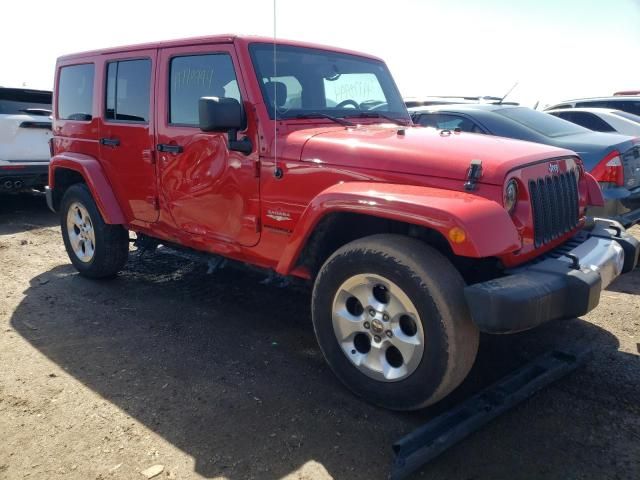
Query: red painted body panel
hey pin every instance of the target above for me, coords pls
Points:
(224, 202)
(239, 40)
(96, 180)
(435, 208)
(425, 151)
(594, 192)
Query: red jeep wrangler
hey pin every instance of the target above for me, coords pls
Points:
(302, 159)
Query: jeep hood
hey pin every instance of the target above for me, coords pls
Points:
(421, 151)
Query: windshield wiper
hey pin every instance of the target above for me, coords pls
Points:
(341, 121)
(397, 121)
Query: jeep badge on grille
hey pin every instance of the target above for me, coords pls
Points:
(554, 168)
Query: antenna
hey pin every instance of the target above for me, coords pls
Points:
(505, 95)
(277, 171)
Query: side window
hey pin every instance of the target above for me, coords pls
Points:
(128, 84)
(427, 120)
(593, 104)
(75, 92)
(630, 106)
(449, 122)
(195, 76)
(591, 121)
(563, 115)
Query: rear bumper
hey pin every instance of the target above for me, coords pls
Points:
(564, 284)
(24, 175)
(621, 205)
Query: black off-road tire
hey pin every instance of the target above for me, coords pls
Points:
(111, 241)
(436, 289)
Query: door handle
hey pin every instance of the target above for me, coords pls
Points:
(164, 147)
(111, 142)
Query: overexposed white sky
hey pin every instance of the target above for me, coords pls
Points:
(555, 49)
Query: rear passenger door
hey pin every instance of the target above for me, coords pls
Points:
(127, 131)
(208, 190)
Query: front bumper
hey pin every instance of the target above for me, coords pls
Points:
(565, 283)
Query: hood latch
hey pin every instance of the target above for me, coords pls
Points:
(473, 174)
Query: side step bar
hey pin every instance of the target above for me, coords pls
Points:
(434, 437)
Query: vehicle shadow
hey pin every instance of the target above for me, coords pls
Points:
(24, 211)
(225, 367)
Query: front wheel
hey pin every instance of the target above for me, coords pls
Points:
(96, 249)
(391, 319)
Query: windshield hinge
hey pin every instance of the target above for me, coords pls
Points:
(473, 174)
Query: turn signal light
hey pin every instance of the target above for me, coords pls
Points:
(610, 169)
(457, 235)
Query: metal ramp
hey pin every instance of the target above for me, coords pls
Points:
(437, 435)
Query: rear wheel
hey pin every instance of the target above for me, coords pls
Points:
(96, 249)
(391, 319)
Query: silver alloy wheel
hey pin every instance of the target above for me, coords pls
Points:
(81, 233)
(378, 327)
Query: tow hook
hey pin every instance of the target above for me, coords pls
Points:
(575, 261)
(616, 229)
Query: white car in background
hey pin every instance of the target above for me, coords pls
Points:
(25, 130)
(601, 119)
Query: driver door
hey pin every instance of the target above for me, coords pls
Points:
(208, 190)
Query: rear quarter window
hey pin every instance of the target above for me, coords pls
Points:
(589, 120)
(15, 101)
(75, 92)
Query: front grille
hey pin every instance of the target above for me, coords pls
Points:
(554, 204)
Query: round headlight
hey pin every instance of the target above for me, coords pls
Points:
(511, 195)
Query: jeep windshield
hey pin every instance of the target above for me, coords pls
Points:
(304, 82)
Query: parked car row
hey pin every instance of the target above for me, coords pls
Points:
(609, 146)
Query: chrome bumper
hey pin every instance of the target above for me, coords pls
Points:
(600, 252)
(566, 282)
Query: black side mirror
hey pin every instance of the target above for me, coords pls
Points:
(223, 114)
(220, 114)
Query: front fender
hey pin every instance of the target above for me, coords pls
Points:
(488, 227)
(95, 179)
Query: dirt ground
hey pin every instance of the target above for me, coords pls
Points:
(217, 375)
